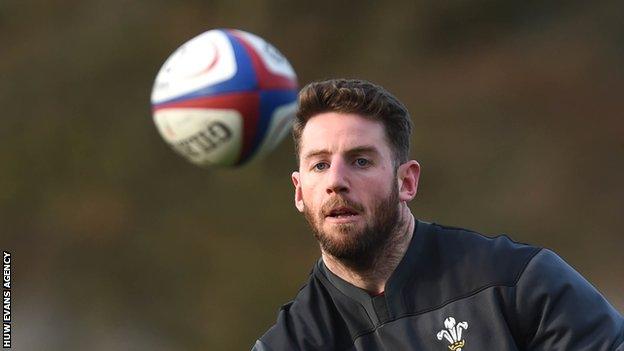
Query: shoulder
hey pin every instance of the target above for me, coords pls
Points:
(545, 297)
(311, 321)
(447, 264)
(553, 299)
(467, 255)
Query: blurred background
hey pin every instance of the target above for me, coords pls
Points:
(120, 244)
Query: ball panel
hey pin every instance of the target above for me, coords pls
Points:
(247, 104)
(244, 79)
(203, 136)
(206, 60)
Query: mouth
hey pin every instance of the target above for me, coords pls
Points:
(342, 214)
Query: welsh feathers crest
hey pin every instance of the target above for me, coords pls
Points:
(453, 333)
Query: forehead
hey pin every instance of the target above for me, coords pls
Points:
(336, 132)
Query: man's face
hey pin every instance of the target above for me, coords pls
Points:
(347, 186)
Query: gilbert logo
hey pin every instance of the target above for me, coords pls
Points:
(453, 333)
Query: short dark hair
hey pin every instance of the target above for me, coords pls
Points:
(356, 96)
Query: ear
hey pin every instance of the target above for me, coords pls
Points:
(298, 194)
(408, 175)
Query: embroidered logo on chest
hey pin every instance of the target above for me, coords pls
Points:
(453, 333)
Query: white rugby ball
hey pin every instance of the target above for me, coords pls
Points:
(224, 97)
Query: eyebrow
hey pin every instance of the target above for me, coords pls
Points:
(364, 149)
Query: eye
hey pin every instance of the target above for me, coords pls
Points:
(321, 166)
(362, 162)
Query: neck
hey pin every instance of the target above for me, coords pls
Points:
(374, 279)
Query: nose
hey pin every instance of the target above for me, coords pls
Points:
(337, 178)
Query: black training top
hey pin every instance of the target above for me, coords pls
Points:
(454, 289)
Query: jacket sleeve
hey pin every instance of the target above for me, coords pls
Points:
(558, 309)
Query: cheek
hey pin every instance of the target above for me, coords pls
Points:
(377, 191)
(310, 187)
(310, 196)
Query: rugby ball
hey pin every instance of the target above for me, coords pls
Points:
(224, 98)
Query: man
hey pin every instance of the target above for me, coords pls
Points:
(386, 281)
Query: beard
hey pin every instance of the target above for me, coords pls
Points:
(357, 247)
